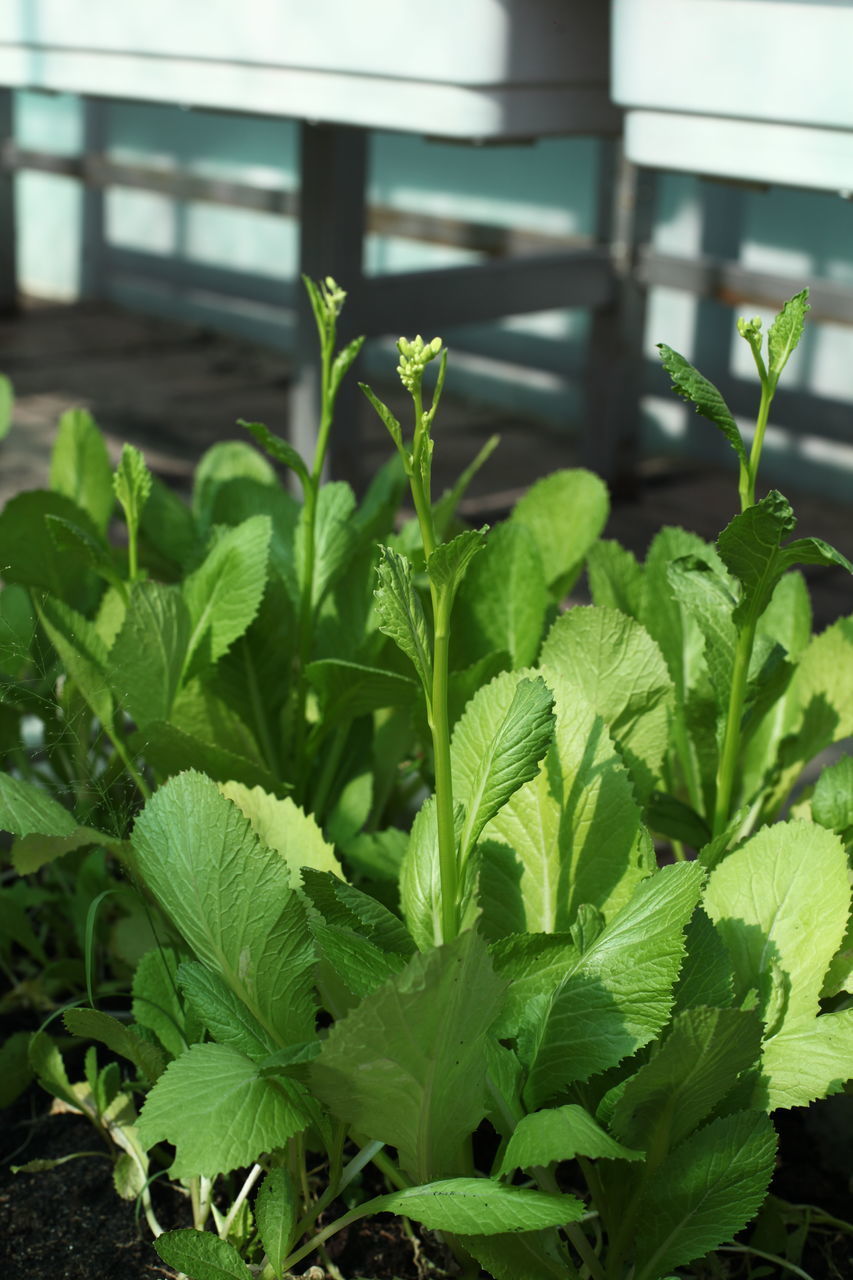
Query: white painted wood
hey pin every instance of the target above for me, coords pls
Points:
(483, 42)
(490, 69)
(786, 61)
(791, 155)
(757, 89)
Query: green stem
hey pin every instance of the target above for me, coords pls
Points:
(440, 729)
(132, 553)
(439, 718)
(731, 742)
(228, 1221)
(336, 1185)
(346, 1220)
(546, 1181)
(331, 760)
(258, 713)
(768, 388)
(124, 756)
(306, 604)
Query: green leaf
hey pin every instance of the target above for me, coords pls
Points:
(665, 614)
(565, 512)
(574, 833)
(91, 1024)
(347, 690)
(7, 404)
(832, 800)
(49, 1069)
(282, 826)
(129, 1178)
(15, 1070)
(708, 1189)
(218, 1112)
(200, 711)
(342, 363)
(30, 853)
(168, 531)
(420, 880)
(528, 1255)
(503, 600)
(698, 1063)
(15, 926)
(780, 902)
(217, 1007)
(584, 1013)
(334, 543)
(157, 1005)
(809, 1058)
(560, 1133)
(751, 547)
(478, 1206)
(224, 593)
(80, 466)
(615, 664)
(706, 597)
(45, 829)
(73, 540)
(672, 817)
(341, 904)
(28, 552)
(401, 614)
(82, 653)
(170, 750)
(147, 659)
(386, 416)
(201, 1255)
(615, 578)
(17, 629)
(497, 746)
(786, 331)
(821, 699)
(449, 563)
(706, 975)
(351, 959)
(783, 895)
(407, 1064)
(230, 897)
(132, 486)
(26, 808)
(228, 467)
(692, 386)
(276, 1212)
(281, 450)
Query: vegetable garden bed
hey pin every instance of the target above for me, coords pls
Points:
(372, 881)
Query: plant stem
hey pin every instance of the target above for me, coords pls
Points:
(768, 388)
(124, 756)
(440, 729)
(731, 742)
(439, 718)
(306, 604)
(228, 1221)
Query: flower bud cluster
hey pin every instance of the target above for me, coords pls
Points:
(750, 329)
(415, 355)
(333, 297)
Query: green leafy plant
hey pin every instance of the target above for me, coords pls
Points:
(453, 984)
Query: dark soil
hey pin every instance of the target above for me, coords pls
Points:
(68, 1223)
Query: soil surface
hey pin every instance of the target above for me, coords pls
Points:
(68, 1223)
